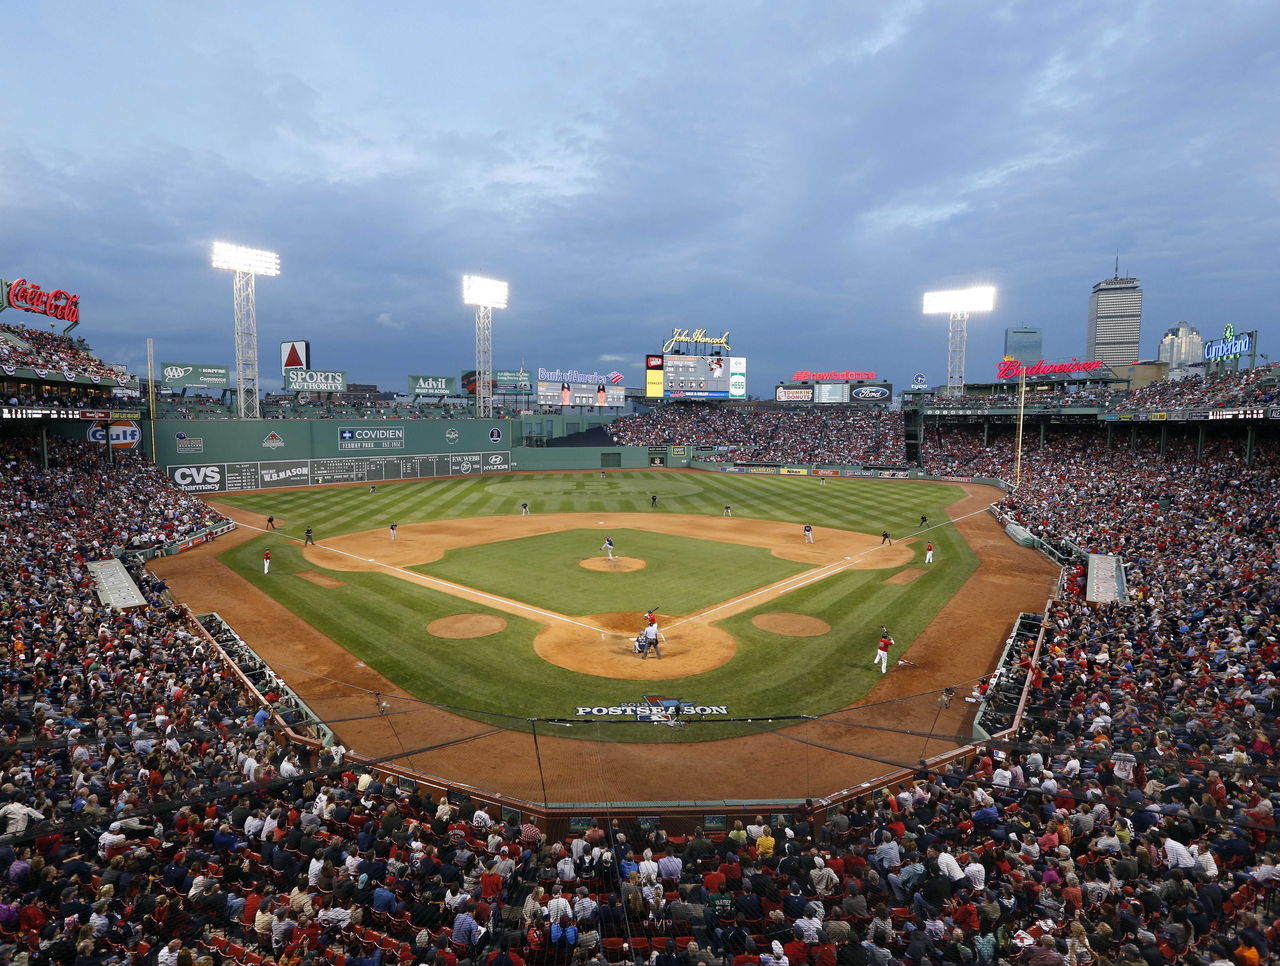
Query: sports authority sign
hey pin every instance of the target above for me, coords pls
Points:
(432, 386)
(182, 375)
(295, 355)
(314, 380)
(29, 297)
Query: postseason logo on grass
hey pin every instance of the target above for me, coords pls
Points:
(651, 708)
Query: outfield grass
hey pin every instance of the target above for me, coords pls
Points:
(382, 619)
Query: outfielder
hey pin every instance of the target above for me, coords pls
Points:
(882, 652)
(607, 546)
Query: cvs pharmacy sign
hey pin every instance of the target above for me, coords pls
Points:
(199, 479)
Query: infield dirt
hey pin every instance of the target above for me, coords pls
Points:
(810, 759)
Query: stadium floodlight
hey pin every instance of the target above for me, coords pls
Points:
(237, 258)
(958, 303)
(248, 264)
(486, 294)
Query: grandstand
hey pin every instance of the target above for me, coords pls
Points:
(166, 800)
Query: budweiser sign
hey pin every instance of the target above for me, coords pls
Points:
(1012, 368)
(804, 375)
(57, 304)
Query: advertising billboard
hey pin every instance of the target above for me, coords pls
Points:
(653, 376)
(432, 386)
(793, 394)
(183, 375)
(882, 393)
(512, 380)
(580, 394)
(703, 377)
(295, 355)
(314, 380)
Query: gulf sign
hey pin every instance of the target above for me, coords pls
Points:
(122, 433)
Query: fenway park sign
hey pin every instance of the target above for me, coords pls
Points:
(57, 304)
(1012, 368)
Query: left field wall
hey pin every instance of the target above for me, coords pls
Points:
(220, 456)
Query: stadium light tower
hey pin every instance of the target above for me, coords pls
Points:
(486, 294)
(248, 264)
(958, 303)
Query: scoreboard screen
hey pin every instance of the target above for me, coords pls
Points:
(696, 377)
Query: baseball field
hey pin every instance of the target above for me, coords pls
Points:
(475, 611)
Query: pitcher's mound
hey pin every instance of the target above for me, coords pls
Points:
(616, 565)
(790, 625)
(690, 647)
(462, 626)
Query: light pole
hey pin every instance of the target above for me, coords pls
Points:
(247, 263)
(958, 304)
(486, 294)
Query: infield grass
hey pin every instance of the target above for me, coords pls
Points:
(382, 619)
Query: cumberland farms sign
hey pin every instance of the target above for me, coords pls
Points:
(314, 380)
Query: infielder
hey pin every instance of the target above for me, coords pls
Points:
(266, 561)
(928, 553)
(728, 510)
(808, 533)
(607, 546)
(524, 509)
(882, 652)
(393, 532)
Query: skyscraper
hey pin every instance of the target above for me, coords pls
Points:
(1181, 346)
(1115, 321)
(1024, 344)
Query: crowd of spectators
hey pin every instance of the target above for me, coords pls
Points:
(1230, 388)
(153, 812)
(55, 397)
(768, 433)
(25, 348)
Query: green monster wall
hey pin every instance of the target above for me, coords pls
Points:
(217, 456)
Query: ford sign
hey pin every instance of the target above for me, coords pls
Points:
(869, 392)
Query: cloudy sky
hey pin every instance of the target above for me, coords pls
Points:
(795, 173)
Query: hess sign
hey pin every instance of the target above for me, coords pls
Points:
(57, 304)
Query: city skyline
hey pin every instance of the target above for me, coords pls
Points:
(795, 176)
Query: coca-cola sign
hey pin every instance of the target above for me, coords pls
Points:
(58, 304)
(1012, 368)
